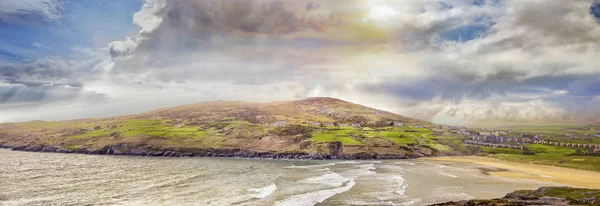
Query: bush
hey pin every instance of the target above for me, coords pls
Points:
(526, 151)
(292, 130)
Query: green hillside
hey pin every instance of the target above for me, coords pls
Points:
(238, 128)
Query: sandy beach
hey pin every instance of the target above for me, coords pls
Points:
(545, 173)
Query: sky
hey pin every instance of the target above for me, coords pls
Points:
(458, 62)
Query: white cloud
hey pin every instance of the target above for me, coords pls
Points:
(46, 9)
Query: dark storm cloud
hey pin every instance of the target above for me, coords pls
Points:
(454, 87)
(190, 25)
(41, 71)
(240, 42)
(46, 80)
(39, 94)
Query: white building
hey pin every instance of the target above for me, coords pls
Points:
(314, 123)
(280, 123)
(398, 124)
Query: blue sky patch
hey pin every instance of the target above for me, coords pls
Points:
(466, 33)
(595, 10)
(93, 23)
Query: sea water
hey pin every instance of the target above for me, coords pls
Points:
(28, 178)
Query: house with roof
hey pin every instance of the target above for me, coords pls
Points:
(500, 132)
(314, 124)
(355, 124)
(485, 133)
(329, 124)
(398, 124)
(280, 123)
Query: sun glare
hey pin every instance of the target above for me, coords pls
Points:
(381, 12)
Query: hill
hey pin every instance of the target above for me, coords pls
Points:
(235, 128)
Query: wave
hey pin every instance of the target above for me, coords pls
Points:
(389, 187)
(331, 179)
(348, 162)
(405, 163)
(309, 166)
(447, 174)
(412, 201)
(312, 198)
(367, 166)
(263, 192)
(324, 169)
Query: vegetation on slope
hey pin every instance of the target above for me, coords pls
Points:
(239, 126)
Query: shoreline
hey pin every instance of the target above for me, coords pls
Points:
(212, 153)
(543, 173)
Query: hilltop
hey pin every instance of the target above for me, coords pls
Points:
(310, 128)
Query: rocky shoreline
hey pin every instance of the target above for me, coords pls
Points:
(195, 152)
(541, 196)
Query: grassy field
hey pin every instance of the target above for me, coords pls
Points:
(546, 155)
(152, 128)
(355, 136)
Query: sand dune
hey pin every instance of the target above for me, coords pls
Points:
(545, 173)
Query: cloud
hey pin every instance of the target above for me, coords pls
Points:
(46, 10)
(490, 61)
(530, 54)
(51, 80)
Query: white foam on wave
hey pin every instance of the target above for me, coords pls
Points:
(263, 192)
(309, 166)
(331, 179)
(392, 167)
(348, 162)
(312, 198)
(367, 166)
(447, 174)
(393, 186)
(404, 163)
(371, 161)
(324, 169)
(361, 170)
(411, 201)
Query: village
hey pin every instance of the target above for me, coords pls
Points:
(502, 139)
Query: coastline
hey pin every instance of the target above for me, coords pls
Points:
(198, 152)
(544, 173)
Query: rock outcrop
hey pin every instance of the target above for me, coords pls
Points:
(541, 196)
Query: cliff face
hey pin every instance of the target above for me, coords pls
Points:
(541, 196)
(241, 129)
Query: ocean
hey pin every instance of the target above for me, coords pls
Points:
(29, 178)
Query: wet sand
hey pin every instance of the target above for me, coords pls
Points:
(545, 173)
